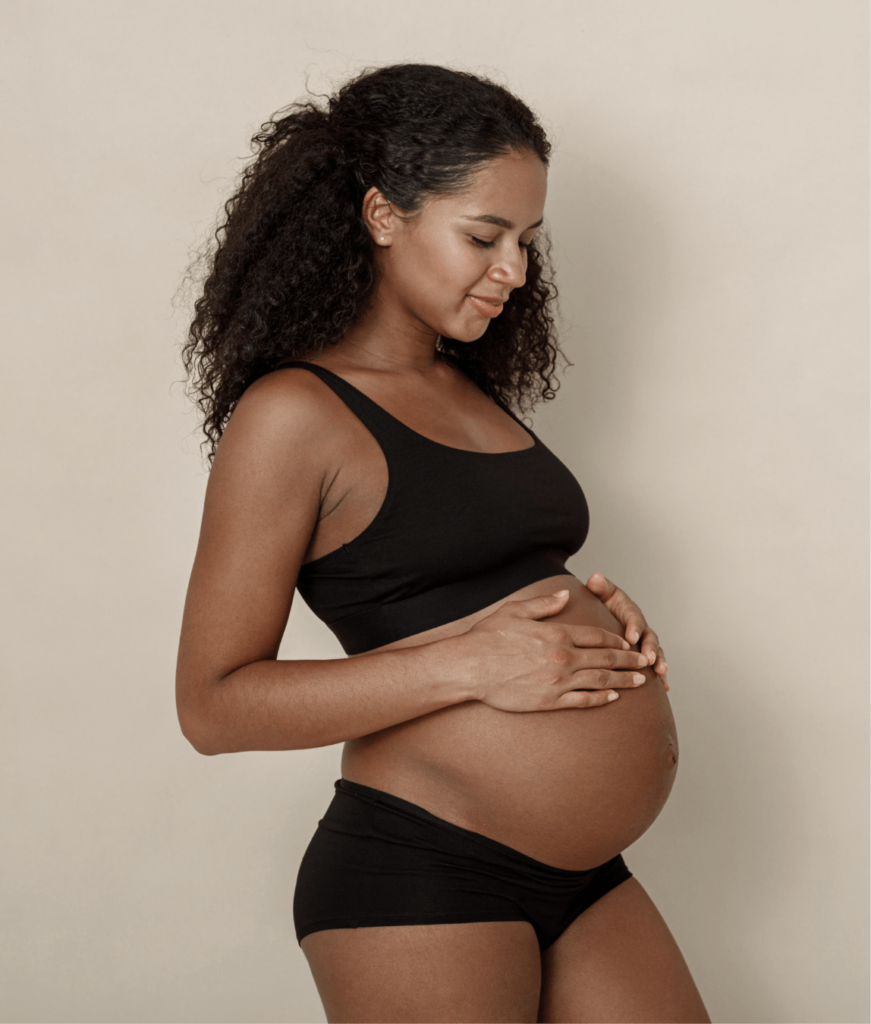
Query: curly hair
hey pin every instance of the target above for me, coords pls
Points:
(291, 267)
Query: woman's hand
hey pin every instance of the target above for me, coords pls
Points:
(630, 615)
(515, 662)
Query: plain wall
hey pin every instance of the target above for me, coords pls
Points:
(708, 206)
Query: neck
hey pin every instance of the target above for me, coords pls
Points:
(387, 338)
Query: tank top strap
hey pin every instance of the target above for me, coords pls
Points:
(513, 416)
(386, 429)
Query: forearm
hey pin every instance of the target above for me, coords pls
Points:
(288, 705)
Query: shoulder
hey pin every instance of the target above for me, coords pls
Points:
(285, 421)
(291, 404)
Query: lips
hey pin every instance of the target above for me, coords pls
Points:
(488, 307)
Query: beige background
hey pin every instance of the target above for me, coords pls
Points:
(708, 202)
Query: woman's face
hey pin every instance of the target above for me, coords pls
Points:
(448, 269)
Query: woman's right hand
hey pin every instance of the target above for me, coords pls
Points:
(519, 663)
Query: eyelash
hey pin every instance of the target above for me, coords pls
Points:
(489, 245)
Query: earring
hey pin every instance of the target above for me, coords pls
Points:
(382, 238)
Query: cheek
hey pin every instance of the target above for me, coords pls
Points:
(445, 274)
(455, 260)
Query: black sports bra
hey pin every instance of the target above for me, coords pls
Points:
(457, 531)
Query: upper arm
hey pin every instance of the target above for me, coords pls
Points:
(262, 505)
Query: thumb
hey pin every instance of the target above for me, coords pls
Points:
(541, 607)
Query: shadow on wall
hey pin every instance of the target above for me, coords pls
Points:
(718, 860)
(721, 860)
(614, 254)
(615, 269)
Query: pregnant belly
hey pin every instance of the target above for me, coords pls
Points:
(571, 788)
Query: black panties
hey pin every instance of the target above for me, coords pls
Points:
(379, 860)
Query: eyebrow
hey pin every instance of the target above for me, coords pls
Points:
(501, 222)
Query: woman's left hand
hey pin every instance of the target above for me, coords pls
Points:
(627, 612)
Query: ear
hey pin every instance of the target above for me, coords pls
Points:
(378, 217)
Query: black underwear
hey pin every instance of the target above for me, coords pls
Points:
(379, 860)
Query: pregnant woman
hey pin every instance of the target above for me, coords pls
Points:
(376, 304)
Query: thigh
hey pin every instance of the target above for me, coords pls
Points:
(618, 962)
(481, 971)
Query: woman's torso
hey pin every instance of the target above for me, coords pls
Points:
(571, 788)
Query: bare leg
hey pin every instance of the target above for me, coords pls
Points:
(618, 963)
(483, 971)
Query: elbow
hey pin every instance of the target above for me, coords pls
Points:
(198, 735)
(201, 745)
(199, 712)
(198, 727)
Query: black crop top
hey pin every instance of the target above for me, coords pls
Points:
(457, 531)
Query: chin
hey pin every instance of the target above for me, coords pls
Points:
(465, 334)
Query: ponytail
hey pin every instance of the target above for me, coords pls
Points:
(286, 270)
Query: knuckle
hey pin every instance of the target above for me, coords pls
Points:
(603, 678)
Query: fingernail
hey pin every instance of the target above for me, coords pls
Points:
(651, 658)
(613, 696)
(632, 636)
(642, 661)
(638, 679)
(665, 668)
(561, 593)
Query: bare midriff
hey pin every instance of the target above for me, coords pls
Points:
(571, 788)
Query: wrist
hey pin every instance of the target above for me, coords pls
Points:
(448, 669)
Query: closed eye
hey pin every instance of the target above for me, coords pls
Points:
(489, 245)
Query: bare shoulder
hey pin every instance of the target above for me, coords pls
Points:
(284, 407)
(287, 421)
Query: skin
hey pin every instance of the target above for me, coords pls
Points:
(489, 722)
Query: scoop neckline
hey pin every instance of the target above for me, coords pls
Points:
(465, 451)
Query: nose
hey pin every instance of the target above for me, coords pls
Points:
(510, 269)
